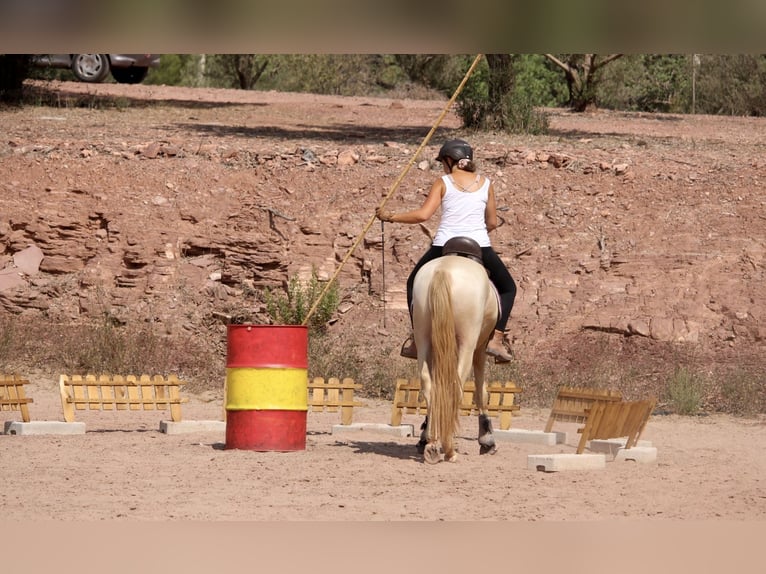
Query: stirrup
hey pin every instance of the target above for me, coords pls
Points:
(499, 358)
(409, 349)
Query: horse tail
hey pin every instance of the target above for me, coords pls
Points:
(446, 389)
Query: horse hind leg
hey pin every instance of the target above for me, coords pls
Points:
(427, 446)
(431, 451)
(421, 446)
(486, 438)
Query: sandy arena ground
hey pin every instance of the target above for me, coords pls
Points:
(124, 468)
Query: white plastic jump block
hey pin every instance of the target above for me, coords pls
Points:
(399, 430)
(565, 461)
(183, 427)
(43, 427)
(612, 445)
(642, 454)
(531, 436)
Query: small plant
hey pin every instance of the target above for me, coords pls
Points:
(6, 340)
(292, 308)
(521, 116)
(742, 393)
(105, 348)
(684, 392)
(329, 357)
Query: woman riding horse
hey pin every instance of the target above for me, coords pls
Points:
(467, 200)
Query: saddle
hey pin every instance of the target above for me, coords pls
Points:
(464, 247)
(470, 248)
(461, 247)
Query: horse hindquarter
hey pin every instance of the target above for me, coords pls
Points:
(453, 316)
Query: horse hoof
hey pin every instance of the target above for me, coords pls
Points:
(421, 446)
(431, 454)
(451, 458)
(487, 449)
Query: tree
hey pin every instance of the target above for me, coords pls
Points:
(648, 83)
(732, 84)
(582, 74)
(492, 100)
(539, 81)
(14, 68)
(178, 70)
(441, 72)
(500, 83)
(237, 70)
(481, 105)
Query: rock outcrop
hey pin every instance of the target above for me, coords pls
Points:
(630, 230)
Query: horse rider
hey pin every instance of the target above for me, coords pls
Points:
(467, 201)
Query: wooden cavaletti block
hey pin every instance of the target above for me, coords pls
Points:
(105, 392)
(13, 397)
(500, 397)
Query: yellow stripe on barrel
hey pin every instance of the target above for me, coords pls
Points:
(266, 389)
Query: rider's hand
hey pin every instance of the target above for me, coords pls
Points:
(384, 215)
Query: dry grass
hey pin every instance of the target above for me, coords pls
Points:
(637, 368)
(102, 347)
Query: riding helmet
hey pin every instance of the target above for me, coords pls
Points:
(455, 149)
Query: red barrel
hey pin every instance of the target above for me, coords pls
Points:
(266, 387)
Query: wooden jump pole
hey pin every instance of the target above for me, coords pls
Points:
(395, 185)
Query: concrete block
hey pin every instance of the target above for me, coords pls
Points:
(565, 461)
(378, 428)
(612, 445)
(43, 427)
(642, 454)
(183, 427)
(530, 436)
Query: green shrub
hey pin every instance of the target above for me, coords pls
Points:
(684, 391)
(517, 114)
(521, 117)
(292, 307)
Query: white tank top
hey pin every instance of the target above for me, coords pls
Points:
(463, 214)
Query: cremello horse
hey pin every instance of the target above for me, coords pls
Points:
(454, 313)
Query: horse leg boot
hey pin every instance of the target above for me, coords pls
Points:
(421, 446)
(486, 438)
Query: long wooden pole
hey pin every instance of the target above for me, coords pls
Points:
(383, 265)
(395, 185)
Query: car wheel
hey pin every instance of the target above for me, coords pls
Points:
(90, 67)
(133, 75)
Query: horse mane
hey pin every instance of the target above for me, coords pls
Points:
(447, 389)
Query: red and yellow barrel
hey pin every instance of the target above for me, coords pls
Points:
(266, 387)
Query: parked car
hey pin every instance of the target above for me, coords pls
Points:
(125, 68)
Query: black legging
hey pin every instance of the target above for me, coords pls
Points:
(498, 274)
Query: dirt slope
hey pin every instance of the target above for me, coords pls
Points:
(628, 234)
